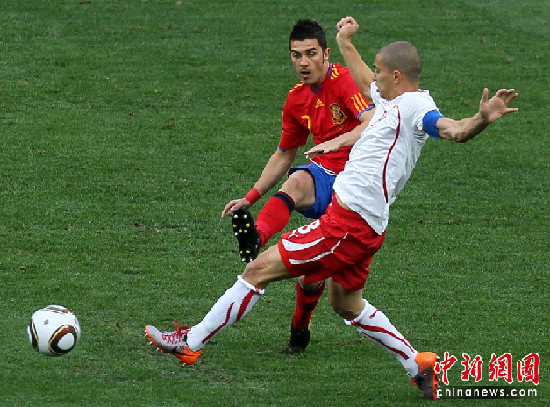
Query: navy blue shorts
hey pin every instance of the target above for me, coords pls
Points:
(323, 189)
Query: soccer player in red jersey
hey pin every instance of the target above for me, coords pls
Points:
(326, 103)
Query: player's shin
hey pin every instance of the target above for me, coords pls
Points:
(234, 304)
(306, 301)
(274, 216)
(373, 324)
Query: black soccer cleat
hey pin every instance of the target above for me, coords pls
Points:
(246, 234)
(299, 339)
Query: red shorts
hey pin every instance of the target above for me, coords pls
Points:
(339, 245)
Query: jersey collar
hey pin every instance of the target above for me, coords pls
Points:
(329, 73)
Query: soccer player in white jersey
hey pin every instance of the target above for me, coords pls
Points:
(340, 245)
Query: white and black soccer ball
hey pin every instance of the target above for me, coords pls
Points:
(54, 330)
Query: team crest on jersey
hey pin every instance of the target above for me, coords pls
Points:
(338, 117)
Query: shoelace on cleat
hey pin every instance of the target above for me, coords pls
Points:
(177, 335)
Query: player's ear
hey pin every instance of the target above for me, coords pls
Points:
(326, 54)
(397, 76)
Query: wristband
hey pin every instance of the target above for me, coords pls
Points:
(252, 196)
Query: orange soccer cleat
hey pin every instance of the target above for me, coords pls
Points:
(174, 342)
(427, 379)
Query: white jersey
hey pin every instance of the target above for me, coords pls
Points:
(381, 161)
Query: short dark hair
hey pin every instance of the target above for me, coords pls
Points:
(403, 56)
(306, 29)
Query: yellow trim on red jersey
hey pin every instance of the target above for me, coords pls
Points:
(359, 102)
(298, 85)
(334, 74)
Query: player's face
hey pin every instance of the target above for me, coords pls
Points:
(383, 77)
(310, 62)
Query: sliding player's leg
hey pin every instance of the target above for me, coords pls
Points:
(375, 325)
(187, 343)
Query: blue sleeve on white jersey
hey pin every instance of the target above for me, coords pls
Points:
(365, 110)
(429, 121)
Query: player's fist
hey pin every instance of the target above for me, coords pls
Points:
(346, 27)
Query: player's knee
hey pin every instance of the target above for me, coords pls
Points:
(253, 274)
(346, 311)
(257, 273)
(310, 289)
(300, 187)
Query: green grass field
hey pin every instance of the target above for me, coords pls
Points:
(127, 126)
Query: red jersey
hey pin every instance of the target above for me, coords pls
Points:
(330, 111)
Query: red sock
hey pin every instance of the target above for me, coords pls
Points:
(305, 304)
(274, 216)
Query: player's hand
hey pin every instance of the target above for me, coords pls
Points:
(323, 148)
(496, 107)
(346, 27)
(234, 205)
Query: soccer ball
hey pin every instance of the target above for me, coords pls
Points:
(53, 330)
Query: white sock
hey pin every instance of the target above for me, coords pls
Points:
(373, 324)
(234, 304)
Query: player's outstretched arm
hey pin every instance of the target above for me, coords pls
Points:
(490, 110)
(277, 166)
(345, 139)
(362, 74)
